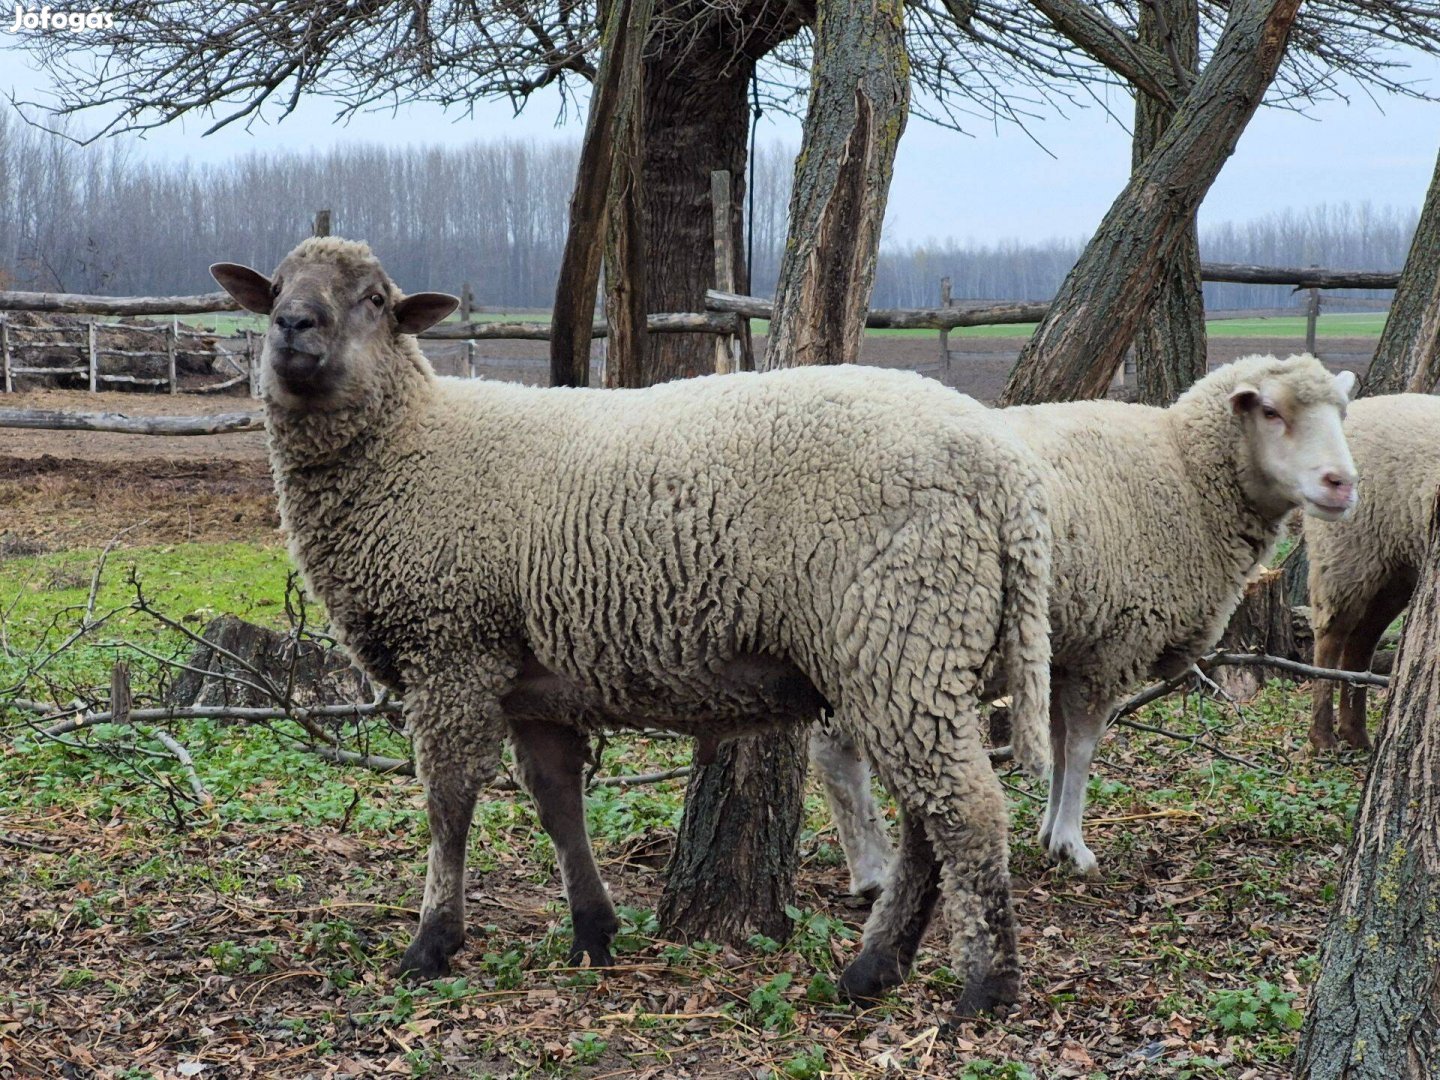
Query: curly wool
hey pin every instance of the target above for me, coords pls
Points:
(1395, 441)
(1152, 545)
(636, 541)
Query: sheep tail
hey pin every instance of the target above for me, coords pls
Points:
(1025, 630)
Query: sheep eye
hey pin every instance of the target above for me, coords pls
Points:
(376, 299)
(1269, 412)
(275, 287)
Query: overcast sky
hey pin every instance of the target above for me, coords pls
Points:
(995, 184)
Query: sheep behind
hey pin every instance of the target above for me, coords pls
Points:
(1363, 570)
(1158, 517)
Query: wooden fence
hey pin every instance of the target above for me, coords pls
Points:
(718, 318)
(83, 338)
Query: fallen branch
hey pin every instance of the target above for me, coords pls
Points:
(53, 420)
(216, 712)
(187, 763)
(1294, 667)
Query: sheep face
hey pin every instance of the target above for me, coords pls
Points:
(334, 320)
(1296, 449)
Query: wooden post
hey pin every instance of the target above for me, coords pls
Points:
(467, 302)
(727, 346)
(171, 341)
(94, 359)
(5, 353)
(1312, 314)
(945, 334)
(322, 222)
(470, 357)
(252, 361)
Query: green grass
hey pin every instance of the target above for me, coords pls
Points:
(1363, 324)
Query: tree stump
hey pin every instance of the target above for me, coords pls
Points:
(316, 674)
(1265, 623)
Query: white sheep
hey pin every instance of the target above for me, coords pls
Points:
(1363, 570)
(1158, 516)
(714, 557)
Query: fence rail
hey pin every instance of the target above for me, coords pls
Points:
(718, 319)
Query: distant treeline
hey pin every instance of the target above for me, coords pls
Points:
(100, 219)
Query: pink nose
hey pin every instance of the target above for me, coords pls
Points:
(1341, 486)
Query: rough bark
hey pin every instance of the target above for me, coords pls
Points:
(1375, 1009)
(1170, 341)
(1075, 350)
(625, 270)
(1140, 61)
(859, 97)
(697, 121)
(626, 26)
(733, 870)
(1408, 356)
(734, 865)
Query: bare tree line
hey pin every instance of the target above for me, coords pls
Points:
(99, 219)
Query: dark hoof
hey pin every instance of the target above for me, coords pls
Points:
(869, 976)
(1354, 741)
(990, 995)
(1322, 742)
(593, 934)
(428, 956)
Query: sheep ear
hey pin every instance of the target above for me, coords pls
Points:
(250, 288)
(423, 310)
(1345, 383)
(1244, 398)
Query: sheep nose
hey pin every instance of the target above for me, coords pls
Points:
(294, 323)
(1342, 485)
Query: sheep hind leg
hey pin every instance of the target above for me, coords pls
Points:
(899, 918)
(551, 761)
(1329, 643)
(1082, 730)
(845, 773)
(1357, 654)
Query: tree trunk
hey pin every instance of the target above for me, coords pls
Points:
(1375, 1009)
(626, 27)
(697, 121)
(625, 269)
(734, 865)
(1170, 341)
(1264, 623)
(732, 873)
(859, 98)
(1408, 356)
(1075, 350)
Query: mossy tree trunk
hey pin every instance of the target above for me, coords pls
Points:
(733, 871)
(1408, 356)
(1375, 1009)
(1076, 348)
(1170, 340)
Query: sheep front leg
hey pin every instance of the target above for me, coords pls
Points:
(551, 761)
(846, 775)
(456, 752)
